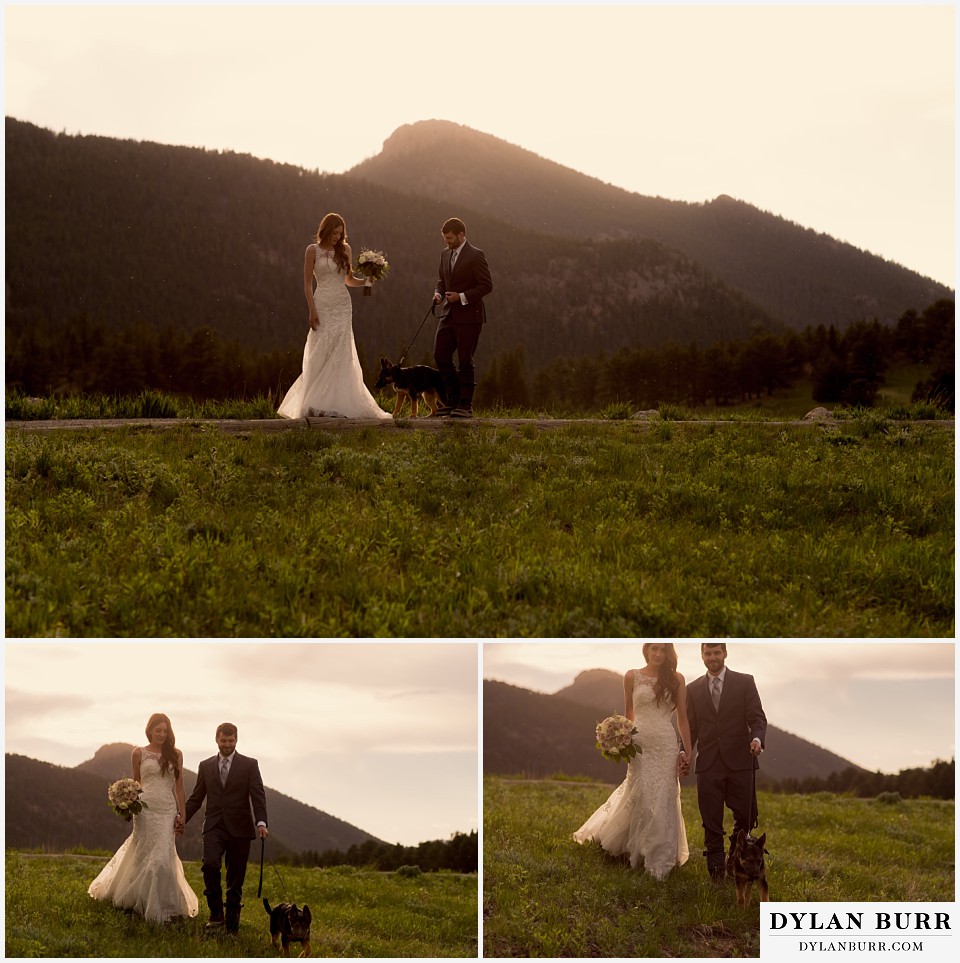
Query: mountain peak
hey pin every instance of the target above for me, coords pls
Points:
(594, 675)
(431, 133)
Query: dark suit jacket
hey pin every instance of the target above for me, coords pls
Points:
(471, 277)
(229, 805)
(726, 733)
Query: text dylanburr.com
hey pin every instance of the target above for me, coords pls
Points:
(870, 931)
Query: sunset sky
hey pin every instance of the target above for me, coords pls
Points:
(382, 735)
(882, 705)
(840, 119)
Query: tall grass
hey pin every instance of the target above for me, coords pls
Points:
(600, 529)
(356, 913)
(146, 404)
(152, 403)
(544, 895)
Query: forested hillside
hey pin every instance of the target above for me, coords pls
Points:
(134, 265)
(798, 276)
(123, 231)
(58, 807)
(540, 735)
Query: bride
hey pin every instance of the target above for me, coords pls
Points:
(642, 817)
(331, 383)
(145, 874)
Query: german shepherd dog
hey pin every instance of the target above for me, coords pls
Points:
(746, 866)
(419, 381)
(289, 925)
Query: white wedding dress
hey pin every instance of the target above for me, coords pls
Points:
(145, 874)
(642, 817)
(331, 383)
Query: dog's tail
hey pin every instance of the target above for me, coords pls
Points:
(266, 906)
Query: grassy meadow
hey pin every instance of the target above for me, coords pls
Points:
(546, 896)
(584, 529)
(356, 913)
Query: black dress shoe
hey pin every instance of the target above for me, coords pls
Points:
(461, 412)
(440, 413)
(232, 924)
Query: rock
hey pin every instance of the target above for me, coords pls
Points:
(650, 415)
(819, 414)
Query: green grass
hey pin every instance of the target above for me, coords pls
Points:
(356, 913)
(544, 895)
(893, 401)
(147, 404)
(589, 529)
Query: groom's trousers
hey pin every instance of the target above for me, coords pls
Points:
(460, 381)
(218, 846)
(719, 786)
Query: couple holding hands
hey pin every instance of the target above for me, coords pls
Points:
(145, 875)
(720, 714)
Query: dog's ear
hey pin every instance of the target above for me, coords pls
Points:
(762, 840)
(306, 913)
(384, 363)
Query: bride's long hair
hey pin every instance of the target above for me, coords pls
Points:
(325, 231)
(168, 754)
(667, 685)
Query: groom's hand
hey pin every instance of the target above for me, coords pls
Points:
(755, 747)
(263, 832)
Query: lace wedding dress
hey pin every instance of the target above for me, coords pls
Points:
(145, 874)
(331, 383)
(642, 817)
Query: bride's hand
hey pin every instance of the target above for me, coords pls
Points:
(314, 322)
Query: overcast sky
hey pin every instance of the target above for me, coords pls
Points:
(838, 118)
(382, 735)
(881, 705)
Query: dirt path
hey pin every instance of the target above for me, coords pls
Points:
(242, 426)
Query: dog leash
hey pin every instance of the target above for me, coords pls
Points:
(277, 871)
(433, 308)
(754, 807)
(260, 884)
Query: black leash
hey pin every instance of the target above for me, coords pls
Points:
(277, 871)
(433, 308)
(260, 884)
(754, 807)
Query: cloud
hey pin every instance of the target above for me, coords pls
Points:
(29, 707)
(370, 709)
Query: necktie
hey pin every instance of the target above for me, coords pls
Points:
(224, 769)
(716, 692)
(453, 261)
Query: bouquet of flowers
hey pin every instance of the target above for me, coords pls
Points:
(615, 738)
(374, 266)
(124, 797)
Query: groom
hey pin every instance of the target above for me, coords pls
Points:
(728, 727)
(463, 284)
(230, 783)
